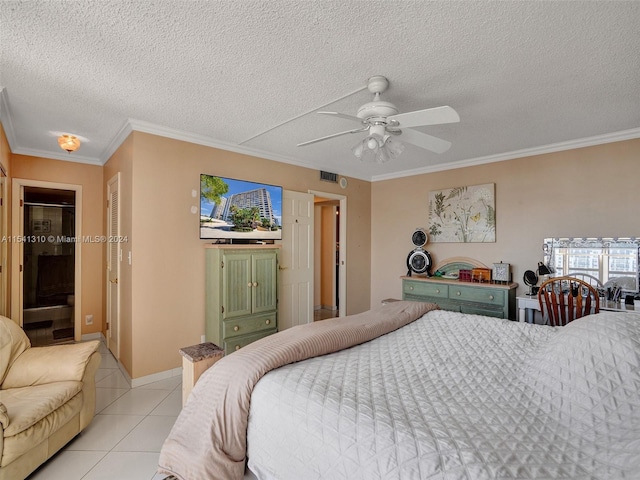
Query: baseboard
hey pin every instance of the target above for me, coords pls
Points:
(154, 377)
(94, 336)
(136, 382)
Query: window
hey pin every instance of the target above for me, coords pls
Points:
(611, 260)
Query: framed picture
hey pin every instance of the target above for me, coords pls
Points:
(463, 214)
(41, 226)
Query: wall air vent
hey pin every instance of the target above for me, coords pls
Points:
(329, 177)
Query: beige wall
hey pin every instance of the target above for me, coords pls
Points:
(90, 178)
(167, 274)
(122, 162)
(593, 191)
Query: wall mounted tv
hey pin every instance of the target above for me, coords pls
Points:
(236, 210)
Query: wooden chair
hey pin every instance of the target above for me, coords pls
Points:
(590, 279)
(564, 299)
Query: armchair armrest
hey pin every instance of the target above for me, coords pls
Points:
(40, 365)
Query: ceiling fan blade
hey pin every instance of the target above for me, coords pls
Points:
(429, 116)
(425, 141)
(357, 130)
(342, 115)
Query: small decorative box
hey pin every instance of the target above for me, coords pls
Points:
(464, 275)
(481, 275)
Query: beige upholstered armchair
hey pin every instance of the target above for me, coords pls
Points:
(47, 396)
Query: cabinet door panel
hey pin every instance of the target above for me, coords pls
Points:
(264, 267)
(237, 285)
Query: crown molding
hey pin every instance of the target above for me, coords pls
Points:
(116, 141)
(527, 152)
(65, 157)
(146, 127)
(5, 118)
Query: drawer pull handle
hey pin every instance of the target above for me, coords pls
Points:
(249, 284)
(491, 297)
(267, 321)
(237, 347)
(410, 288)
(438, 290)
(236, 328)
(458, 293)
(255, 284)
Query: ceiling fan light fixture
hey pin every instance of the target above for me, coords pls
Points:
(377, 149)
(70, 143)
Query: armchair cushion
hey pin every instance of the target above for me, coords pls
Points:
(13, 341)
(42, 365)
(28, 405)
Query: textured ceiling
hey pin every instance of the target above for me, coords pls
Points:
(525, 76)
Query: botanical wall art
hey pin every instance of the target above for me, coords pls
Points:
(463, 214)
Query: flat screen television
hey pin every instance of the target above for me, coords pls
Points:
(237, 210)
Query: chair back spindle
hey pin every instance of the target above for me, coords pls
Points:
(565, 299)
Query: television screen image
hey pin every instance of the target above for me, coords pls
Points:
(233, 209)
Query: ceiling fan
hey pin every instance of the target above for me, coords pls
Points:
(383, 122)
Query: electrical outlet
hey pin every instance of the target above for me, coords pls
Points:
(203, 339)
(88, 320)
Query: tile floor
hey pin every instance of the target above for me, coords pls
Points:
(124, 439)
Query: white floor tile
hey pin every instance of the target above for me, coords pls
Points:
(169, 406)
(103, 373)
(108, 361)
(147, 436)
(67, 465)
(136, 402)
(115, 380)
(166, 384)
(106, 396)
(105, 432)
(125, 466)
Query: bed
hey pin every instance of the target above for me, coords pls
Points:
(438, 394)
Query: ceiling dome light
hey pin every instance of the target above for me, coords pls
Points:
(69, 143)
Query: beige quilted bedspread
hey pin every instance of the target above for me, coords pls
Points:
(208, 440)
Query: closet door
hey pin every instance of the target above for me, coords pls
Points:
(113, 266)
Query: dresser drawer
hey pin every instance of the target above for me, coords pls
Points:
(242, 326)
(474, 294)
(236, 343)
(426, 289)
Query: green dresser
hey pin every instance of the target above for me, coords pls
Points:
(494, 300)
(241, 289)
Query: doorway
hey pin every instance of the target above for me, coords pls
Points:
(46, 263)
(330, 243)
(326, 300)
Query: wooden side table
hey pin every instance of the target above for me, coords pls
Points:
(195, 360)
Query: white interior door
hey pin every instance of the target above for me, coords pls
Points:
(296, 263)
(113, 266)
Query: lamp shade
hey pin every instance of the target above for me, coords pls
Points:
(69, 143)
(543, 269)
